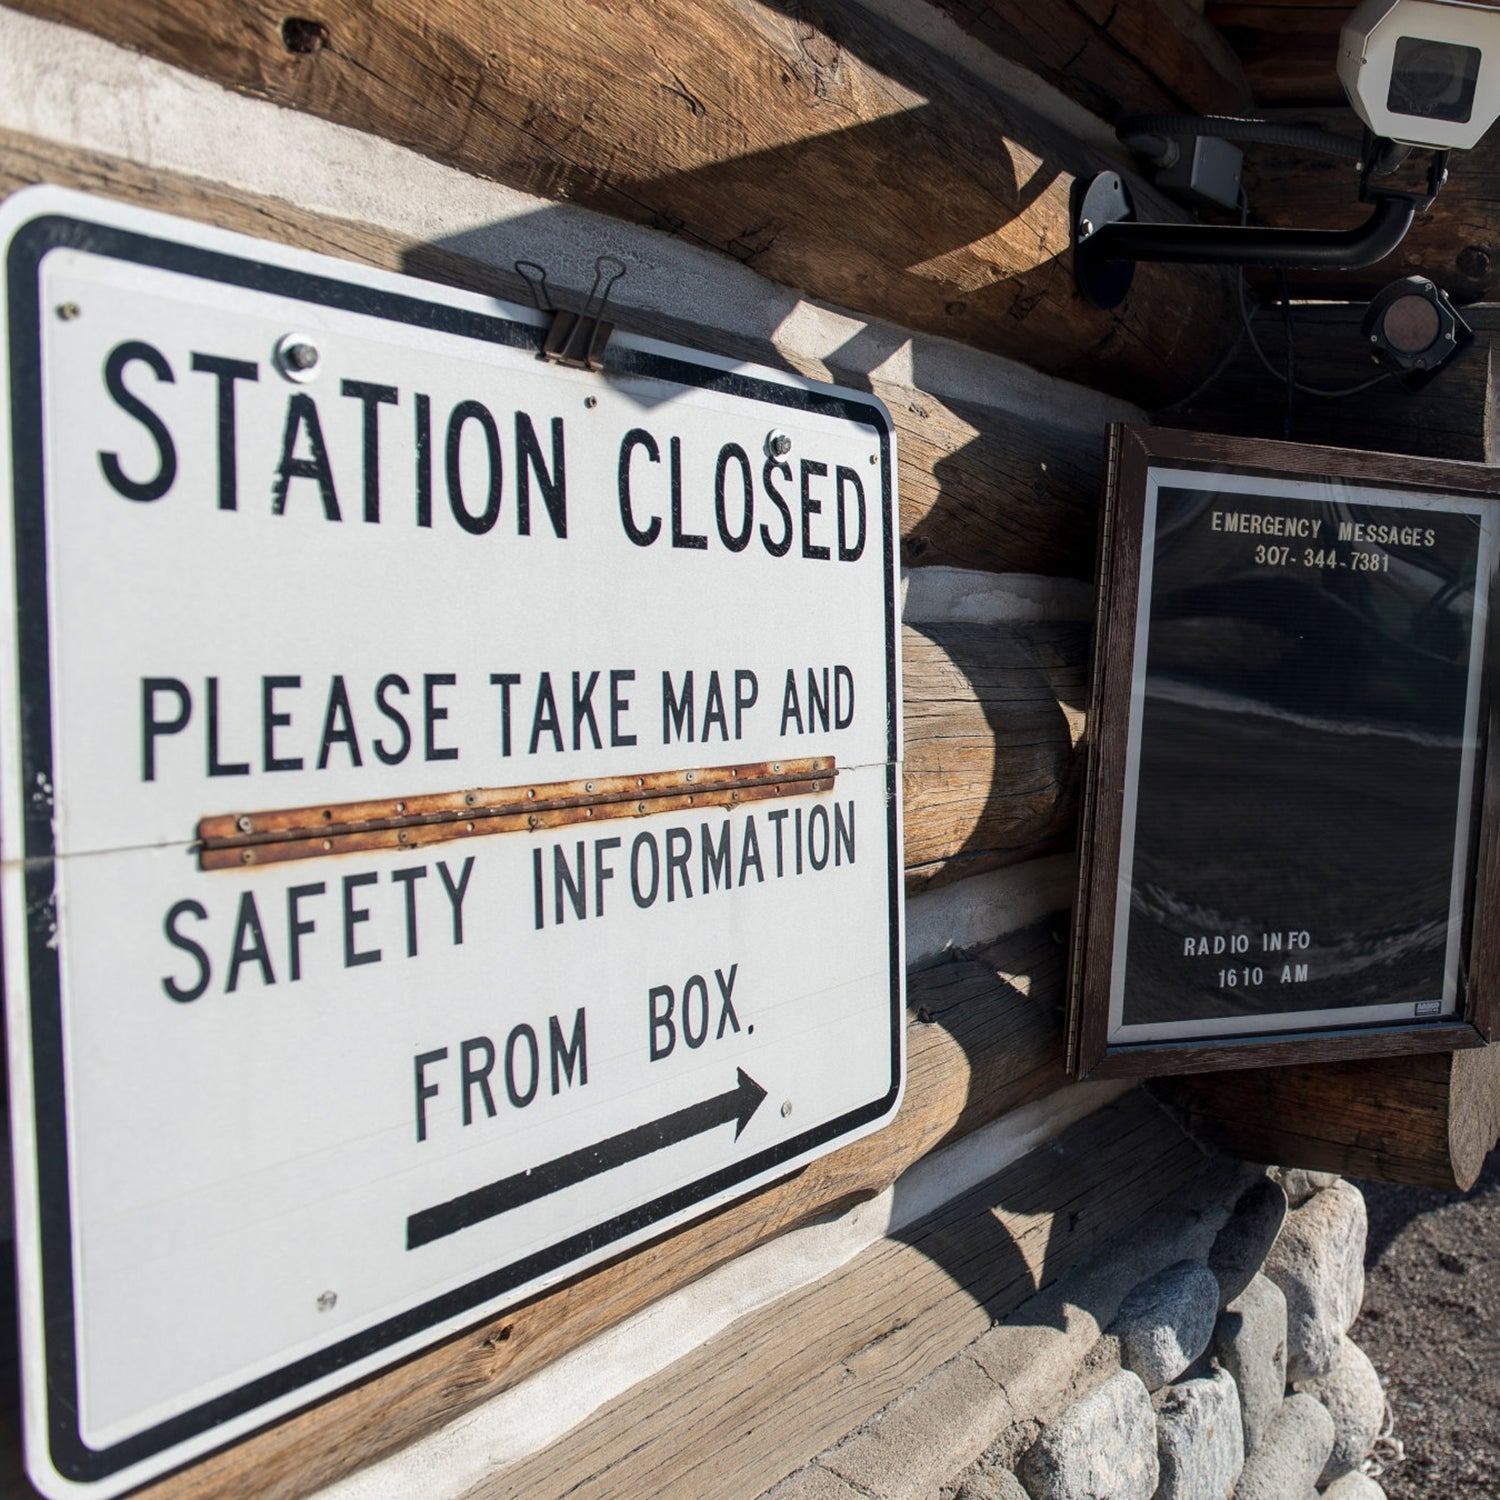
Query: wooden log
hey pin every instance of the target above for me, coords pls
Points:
(993, 718)
(1115, 58)
(1428, 1120)
(1451, 417)
(1456, 243)
(811, 140)
(985, 489)
(980, 1044)
(1289, 48)
(980, 486)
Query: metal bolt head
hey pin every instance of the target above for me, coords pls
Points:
(591, 402)
(245, 823)
(297, 357)
(327, 1301)
(778, 444)
(1085, 228)
(68, 311)
(786, 1108)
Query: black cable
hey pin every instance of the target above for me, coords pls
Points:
(1239, 338)
(1231, 128)
(1291, 355)
(1307, 390)
(1208, 379)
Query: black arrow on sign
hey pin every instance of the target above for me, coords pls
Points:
(443, 1219)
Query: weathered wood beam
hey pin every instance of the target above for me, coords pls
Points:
(1453, 416)
(1115, 57)
(1456, 243)
(1289, 47)
(985, 1037)
(1427, 1120)
(733, 1418)
(813, 141)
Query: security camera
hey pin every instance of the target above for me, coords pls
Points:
(1423, 72)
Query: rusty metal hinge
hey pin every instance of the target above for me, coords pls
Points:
(235, 839)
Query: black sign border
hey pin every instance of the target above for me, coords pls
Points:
(1133, 451)
(31, 242)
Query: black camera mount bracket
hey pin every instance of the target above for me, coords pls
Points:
(1108, 241)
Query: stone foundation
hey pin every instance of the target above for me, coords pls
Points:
(1231, 1375)
(1205, 1356)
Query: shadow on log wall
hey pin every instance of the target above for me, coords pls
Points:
(810, 140)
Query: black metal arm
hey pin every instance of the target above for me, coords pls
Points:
(1109, 242)
(1231, 245)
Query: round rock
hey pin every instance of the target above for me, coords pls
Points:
(1292, 1453)
(1241, 1246)
(1355, 1486)
(1104, 1444)
(1352, 1393)
(1299, 1184)
(991, 1484)
(1251, 1344)
(1165, 1323)
(1200, 1445)
(1318, 1261)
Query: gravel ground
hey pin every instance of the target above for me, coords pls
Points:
(1431, 1326)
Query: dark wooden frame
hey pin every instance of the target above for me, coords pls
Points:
(1132, 452)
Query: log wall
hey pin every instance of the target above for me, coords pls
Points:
(757, 129)
(726, 109)
(1126, 57)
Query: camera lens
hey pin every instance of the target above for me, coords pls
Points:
(1411, 324)
(1433, 80)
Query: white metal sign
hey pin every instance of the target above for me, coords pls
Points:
(450, 825)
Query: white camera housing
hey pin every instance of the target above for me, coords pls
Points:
(1423, 72)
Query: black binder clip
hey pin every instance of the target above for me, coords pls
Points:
(576, 339)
